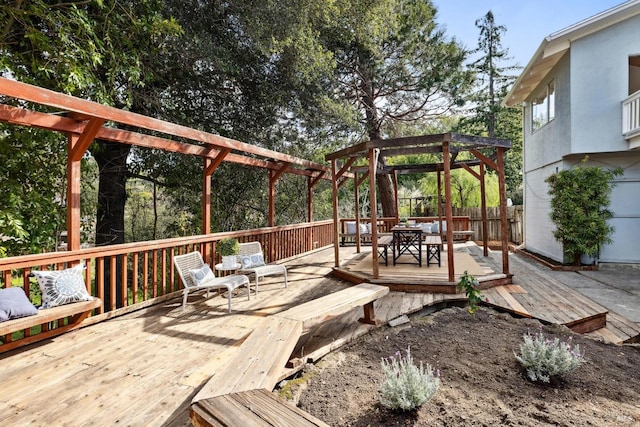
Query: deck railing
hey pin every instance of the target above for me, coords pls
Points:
(134, 275)
(631, 115)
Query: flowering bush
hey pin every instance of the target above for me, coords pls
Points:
(406, 386)
(546, 360)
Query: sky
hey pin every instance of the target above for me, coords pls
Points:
(528, 22)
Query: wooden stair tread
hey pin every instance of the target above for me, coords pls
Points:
(258, 408)
(259, 360)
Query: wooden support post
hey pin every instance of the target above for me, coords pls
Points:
(357, 213)
(336, 220)
(503, 211)
(73, 196)
(395, 190)
(77, 145)
(483, 207)
(369, 315)
(446, 160)
(374, 214)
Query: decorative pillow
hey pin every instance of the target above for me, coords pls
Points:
(436, 227)
(62, 286)
(368, 225)
(251, 261)
(364, 229)
(200, 276)
(14, 303)
(426, 227)
(351, 227)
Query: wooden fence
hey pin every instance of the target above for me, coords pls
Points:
(514, 222)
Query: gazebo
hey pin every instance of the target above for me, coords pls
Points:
(369, 160)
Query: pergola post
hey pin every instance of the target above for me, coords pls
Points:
(274, 176)
(374, 214)
(209, 166)
(77, 145)
(336, 220)
(503, 211)
(356, 195)
(483, 208)
(446, 160)
(395, 189)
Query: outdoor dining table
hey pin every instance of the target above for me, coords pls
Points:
(407, 240)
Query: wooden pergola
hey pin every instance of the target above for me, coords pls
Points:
(371, 160)
(83, 121)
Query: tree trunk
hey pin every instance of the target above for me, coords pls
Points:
(112, 164)
(386, 191)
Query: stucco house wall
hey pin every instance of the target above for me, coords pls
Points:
(542, 156)
(599, 84)
(589, 64)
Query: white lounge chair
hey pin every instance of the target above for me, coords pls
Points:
(251, 258)
(197, 276)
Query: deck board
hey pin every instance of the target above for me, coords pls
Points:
(145, 367)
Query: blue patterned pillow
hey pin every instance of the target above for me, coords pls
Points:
(62, 286)
(14, 303)
(251, 261)
(200, 276)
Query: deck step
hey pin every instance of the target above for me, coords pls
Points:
(259, 361)
(256, 408)
(619, 330)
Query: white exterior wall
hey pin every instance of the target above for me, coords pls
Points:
(542, 156)
(599, 84)
(591, 82)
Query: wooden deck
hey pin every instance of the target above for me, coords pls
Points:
(145, 368)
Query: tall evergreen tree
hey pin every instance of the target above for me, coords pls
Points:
(488, 117)
(395, 65)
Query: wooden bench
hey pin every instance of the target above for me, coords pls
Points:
(329, 306)
(75, 312)
(260, 361)
(383, 247)
(433, 244)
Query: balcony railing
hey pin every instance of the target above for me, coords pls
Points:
(134, 275)
(631, 116)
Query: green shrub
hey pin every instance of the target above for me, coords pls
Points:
(228, 246)
(548, 360)
(580, 199)
(406, 386)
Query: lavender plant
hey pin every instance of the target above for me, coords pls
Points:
(406, 386)
(546, 360)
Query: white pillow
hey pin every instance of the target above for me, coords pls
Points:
(61, 287)
(436, 227)
(200, 276)
(426, 227)
(253, 260)
(368, 227)
(363, 229)
(351, 227)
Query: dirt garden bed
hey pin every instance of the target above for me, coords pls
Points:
(482, 384)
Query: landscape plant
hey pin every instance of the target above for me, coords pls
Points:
(469, 285)
(548, 360)
(406, 386)
(228, 246)
(580, 197)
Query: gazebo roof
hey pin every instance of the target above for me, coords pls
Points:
(424, 144)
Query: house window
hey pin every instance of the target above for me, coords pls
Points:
(543, 106)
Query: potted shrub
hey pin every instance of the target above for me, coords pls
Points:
(228, 248)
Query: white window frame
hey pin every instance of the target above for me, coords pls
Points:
(543, 106)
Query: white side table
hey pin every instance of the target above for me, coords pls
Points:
(226, 271)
